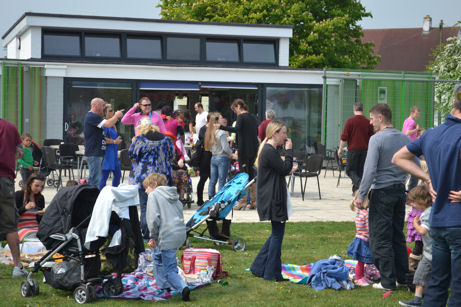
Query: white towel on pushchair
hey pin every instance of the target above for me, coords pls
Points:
(110, 198)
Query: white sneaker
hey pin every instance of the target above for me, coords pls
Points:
(19, 272)
(380, 287)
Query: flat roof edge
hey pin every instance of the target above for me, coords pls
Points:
(26, 14)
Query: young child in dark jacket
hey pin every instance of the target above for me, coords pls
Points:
(167, 232)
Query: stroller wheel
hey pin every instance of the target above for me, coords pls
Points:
(187, 243)
(112, 287)
(35, 288)
(82, 295)
(26, 289)
(50, 182)
(238, 244)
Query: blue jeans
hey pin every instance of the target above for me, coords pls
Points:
(268, 262)
(387, 240)
(219, 170)
(166, 270)
(446, 267)
(105, 174)
(94, 169)
(143, 204)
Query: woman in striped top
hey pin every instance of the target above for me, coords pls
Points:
(359, 249)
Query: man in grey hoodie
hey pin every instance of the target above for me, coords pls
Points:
(167, 232)
(387, 199)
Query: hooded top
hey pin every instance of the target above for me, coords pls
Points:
(165, 218)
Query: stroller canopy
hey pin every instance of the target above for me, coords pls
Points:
(69, 207)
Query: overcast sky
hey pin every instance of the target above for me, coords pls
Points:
(386, 14)
(410, 13)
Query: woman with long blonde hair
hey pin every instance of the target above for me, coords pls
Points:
(216, 142)
(271, 195)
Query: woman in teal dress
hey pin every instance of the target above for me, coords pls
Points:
(111, 162)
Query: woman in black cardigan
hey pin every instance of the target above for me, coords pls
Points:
(30, 197)
(272, 199)
(246, 128)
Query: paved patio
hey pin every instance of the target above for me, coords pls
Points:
(334, 205)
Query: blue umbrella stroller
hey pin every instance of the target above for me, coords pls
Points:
(217, 209)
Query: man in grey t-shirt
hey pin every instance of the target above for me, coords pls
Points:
(387, 199)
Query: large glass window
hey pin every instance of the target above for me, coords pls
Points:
(102, 46)
(181, 48)
(144, 48)
(222, 51)
(258, 52)
(301, 110)
(79, 95)
(61, 44)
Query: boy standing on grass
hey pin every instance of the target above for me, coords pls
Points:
(420, 198)
(167, 232)
(27, 161)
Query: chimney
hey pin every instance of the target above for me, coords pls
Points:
(427, 24)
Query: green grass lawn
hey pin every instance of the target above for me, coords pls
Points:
(303, 243)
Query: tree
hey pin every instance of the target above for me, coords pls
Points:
(447, 66)
(325, 32)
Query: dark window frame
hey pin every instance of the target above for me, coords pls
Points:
(57, 56)
(142, 36)
(165, 56)
(224, 40)
(124, 35)
(252, 41)
(102, 34)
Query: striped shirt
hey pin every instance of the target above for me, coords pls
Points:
(361, 224)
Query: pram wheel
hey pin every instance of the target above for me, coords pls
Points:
(29, 288)
(84, 294)
(50, 182)
(238, 244)
(112, 287)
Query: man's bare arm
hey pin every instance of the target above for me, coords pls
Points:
(19, 152)
(404, 159)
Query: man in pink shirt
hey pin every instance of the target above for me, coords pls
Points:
(132, 118)
(410, 127)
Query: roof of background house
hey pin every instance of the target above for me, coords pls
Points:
(406, 49)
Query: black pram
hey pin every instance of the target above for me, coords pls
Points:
(77, 267)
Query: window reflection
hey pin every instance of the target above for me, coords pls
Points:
(80, 93)
(301, 110)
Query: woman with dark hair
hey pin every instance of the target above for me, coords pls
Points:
(150, 152)
(246, 128)
(272, 198)
(132, 117)
(30, 198)
(172, 124)
(110, 162)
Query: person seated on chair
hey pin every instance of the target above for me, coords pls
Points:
(167, 232)
(30, 198)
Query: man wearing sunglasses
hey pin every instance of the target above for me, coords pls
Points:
(132, 118)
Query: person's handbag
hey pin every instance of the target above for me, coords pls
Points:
(196, 155)
(195, 260)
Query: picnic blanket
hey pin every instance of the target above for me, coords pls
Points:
(139, 285)
(300, 273)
